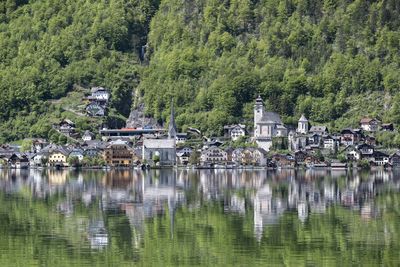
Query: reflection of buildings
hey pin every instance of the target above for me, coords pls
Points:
(141, 196)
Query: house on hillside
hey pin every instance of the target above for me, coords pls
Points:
(319, 130)
(88, 136)
(100, 94)
(369, 125)
(387, 127)
(349, 137)
(380, 158)
(66, 127)
(235, 131)
(95, 109)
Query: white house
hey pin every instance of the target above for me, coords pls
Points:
(100, 93)
(235, 131)
(330, 143)
(369, 125)
(213, 154)
(88, 136)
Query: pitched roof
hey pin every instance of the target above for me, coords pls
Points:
(318, 128)
(367, 120)
(270, 116)
(159, 143)
(303, 118)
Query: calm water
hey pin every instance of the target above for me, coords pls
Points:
(211, 218)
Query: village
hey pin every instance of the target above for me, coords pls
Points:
(270, 145)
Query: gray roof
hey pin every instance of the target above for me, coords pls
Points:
(318, 128)
(270, 116)
(159, 143)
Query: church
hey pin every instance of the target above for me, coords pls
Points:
(267, 125)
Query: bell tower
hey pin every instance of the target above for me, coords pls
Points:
(258, 114)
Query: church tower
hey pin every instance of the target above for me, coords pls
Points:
(302, 126)
(258, 114)
(172, 125)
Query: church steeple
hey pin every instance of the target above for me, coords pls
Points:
(172, 125)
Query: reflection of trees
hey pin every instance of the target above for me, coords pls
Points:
(201, 217)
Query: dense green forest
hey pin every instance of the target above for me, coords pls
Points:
(334, 60)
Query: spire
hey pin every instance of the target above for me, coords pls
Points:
(172, 125)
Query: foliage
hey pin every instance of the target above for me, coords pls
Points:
(194, 158)
(73, 161)
(363, 164)
(26, 145)
(48, 48)
(321, 58)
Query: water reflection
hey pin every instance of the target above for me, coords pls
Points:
(93, 209)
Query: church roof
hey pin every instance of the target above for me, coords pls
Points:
(271, 117)
(303, 118)
(159, 143)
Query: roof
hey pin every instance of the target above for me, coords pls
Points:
(318, 128)
(159, 143)
(303, 118)
(270, 116)
(98, 88)
(235, 126)
(367, 120)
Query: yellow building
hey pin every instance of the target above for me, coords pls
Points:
(118, 153)
(58, 158)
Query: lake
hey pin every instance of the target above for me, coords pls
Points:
(199, 218)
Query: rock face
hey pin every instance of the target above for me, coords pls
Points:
(137, 119)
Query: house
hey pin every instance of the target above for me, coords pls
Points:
(40, 158)
(319, 130)
(183, 155)
(235, 131)
(395, 160)
(387, 127)
(66, 127)
(161, 152)
(88, 136)
(95, 109)
(38, 144)
(237, 155)
(119, 153)
(352, 154)
(370, 140)
(314, 139)
(100, 93)
(349, 137)
(380, 159)
(58, 157)
(330, 143)
(93, 148)
(259, 156)
(369, 125)
(366, 151)
(266, 125)
(18, 161)
(76, 152)
(283, 160)
(181, 138)
(213, 155)
(300, 156)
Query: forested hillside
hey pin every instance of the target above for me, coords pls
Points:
(318, 57)
(301, 55)
(49, 47)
